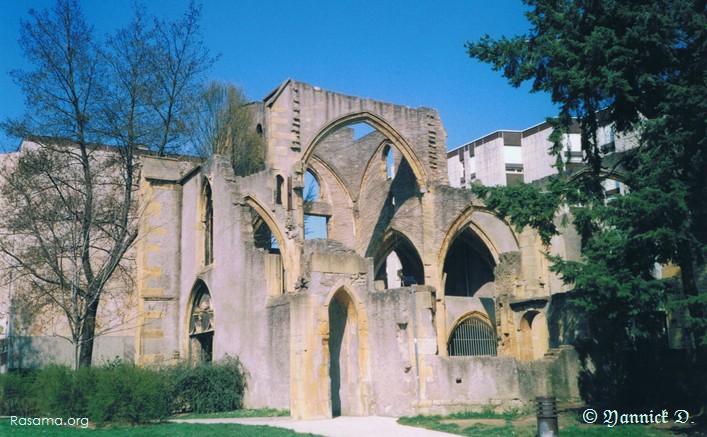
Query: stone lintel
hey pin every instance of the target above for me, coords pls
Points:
(321, 208)
(535, 302)
(338, 263)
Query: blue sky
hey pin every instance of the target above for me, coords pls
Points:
(405, 52)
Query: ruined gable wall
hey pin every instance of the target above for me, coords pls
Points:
(250, 322)
(298, 111)
(283, 339)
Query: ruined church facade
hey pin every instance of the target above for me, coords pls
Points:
(326, 326)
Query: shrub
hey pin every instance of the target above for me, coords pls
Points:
(120, 392)
(62, 392)
(16, 394)
(209, 387)
(128, 393)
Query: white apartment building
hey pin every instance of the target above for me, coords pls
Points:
(504, 157)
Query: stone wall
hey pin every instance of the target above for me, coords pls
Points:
(502, 383)
(305, 317)
(26, 352)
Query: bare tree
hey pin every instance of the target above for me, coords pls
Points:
(178, 60)
(71, 206)
(66, 236)
(224, 126)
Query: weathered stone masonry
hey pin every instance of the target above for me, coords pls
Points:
(322, 326)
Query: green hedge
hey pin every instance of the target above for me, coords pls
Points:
(61, 392)
(208, 388)
(123, 393)
(17, 395)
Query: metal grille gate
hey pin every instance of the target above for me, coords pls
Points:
(472, 337)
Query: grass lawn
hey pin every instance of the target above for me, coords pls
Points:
(259, 412)
(519, 425)
(157, 430)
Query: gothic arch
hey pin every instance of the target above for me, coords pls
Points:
(478, 339)
(277, 232)
(320, 163)
(493, 243)
(411, 261)
(469, 314)
(323, 194)
(334, 192)
(376, 163)
(200, 323)
(344, 286)
(206, 217)
(383, 127)
(346, 352)
(262, 211)
(387, 160)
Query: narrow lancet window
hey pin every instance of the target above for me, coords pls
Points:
(208, 225)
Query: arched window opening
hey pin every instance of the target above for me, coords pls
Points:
(279, 187)
(208, 223)
(311, 187)
(388, 159)
(468, 265)
(264, 240)
(392, 267)
(403, 257)
(315, 226)
(472, 337)
(534, 336)
(201, 326)
(263, 237)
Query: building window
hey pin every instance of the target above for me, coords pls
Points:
(265, 241)
(280, 184)
(473, 336)
(388, 158)
(311, 187)
(468, 266)
(201, 326)
(208, 220)
(315, 226)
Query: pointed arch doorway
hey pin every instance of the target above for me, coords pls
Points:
(201, 325)
(345, 369)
